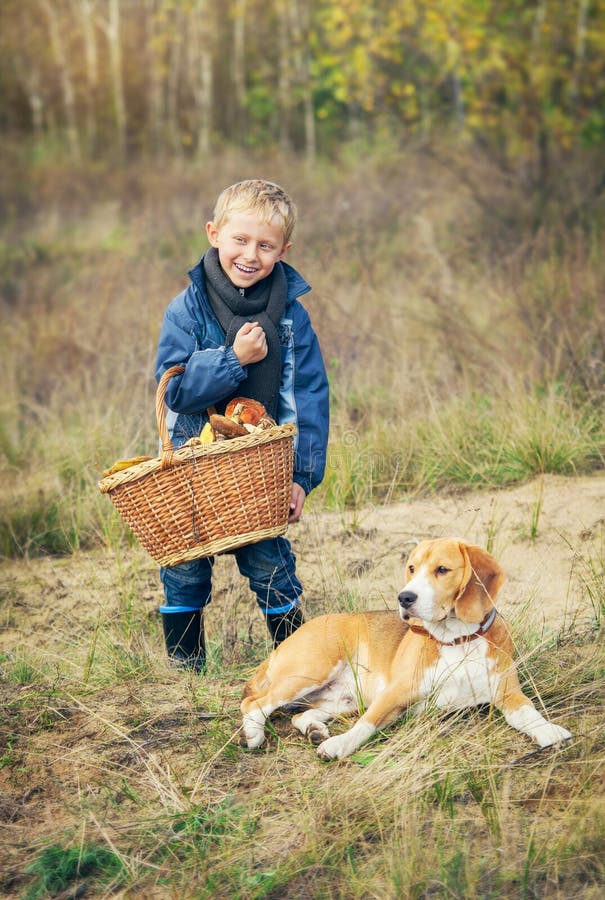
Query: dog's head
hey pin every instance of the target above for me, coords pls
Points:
(448, 578)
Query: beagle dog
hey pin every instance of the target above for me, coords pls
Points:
(448, 646)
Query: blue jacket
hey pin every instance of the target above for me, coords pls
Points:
(191, 336)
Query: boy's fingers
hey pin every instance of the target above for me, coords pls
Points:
(258, 335)
(247, 327)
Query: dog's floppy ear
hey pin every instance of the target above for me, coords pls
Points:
(484, 580)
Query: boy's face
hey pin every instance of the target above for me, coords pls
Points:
(247, 248)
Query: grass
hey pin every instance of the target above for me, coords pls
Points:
(592, 576)
(469, 441)
(463, 354)
(58, 869)
(140, 771)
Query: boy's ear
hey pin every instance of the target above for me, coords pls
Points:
(212, 233)
(285, 249)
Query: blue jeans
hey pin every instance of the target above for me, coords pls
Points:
(269, 566)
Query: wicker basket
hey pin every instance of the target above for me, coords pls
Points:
(204, 499)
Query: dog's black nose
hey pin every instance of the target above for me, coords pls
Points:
(407, 598)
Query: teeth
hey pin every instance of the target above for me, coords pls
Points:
(245, 269)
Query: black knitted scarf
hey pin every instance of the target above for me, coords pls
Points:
(264, 303)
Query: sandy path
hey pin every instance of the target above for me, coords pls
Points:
(549, 536)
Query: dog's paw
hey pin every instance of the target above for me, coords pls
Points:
(253, 732)
(317, 733)
(251, 743)
(348, 742)
(332, 748)
(548, 735)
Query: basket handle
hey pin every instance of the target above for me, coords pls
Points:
(160, 412)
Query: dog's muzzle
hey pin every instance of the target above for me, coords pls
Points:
(406, 601)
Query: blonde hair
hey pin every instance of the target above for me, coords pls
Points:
(266, 199)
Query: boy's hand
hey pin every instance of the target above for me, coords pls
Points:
(296, 503)
(250, 344)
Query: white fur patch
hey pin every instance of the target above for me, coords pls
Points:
(315, 718)
(528, 720)
(254, 728)
(461, 677)
(422, 586)
(448, 630)
(341, 745)
(339, 695)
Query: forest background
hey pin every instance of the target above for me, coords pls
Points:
(448, 163)
(120, 78)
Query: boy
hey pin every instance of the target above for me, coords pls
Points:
(240, 330)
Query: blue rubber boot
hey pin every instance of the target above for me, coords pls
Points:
(282, 626)
(184, 636)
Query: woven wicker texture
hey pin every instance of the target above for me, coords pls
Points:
(201, 500)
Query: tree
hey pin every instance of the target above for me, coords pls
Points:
(524, 79)
(111, 25)
(201, 74)
(67, 86)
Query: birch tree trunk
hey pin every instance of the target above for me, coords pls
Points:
(580, 50)
(153, 62)
(172, 83)
(300, 25)
(86, 10)
(28, 77)
(111, 27)
(201, 75)
(239, 66)
(543, 138)
(67, 87)
(285, 66)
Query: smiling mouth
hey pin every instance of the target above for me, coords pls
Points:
(247, 270)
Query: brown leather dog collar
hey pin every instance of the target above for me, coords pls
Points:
(464, 638)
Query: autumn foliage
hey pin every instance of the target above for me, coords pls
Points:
(111, 77)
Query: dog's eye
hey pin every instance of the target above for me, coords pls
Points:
(442, 570)
(411, 570)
